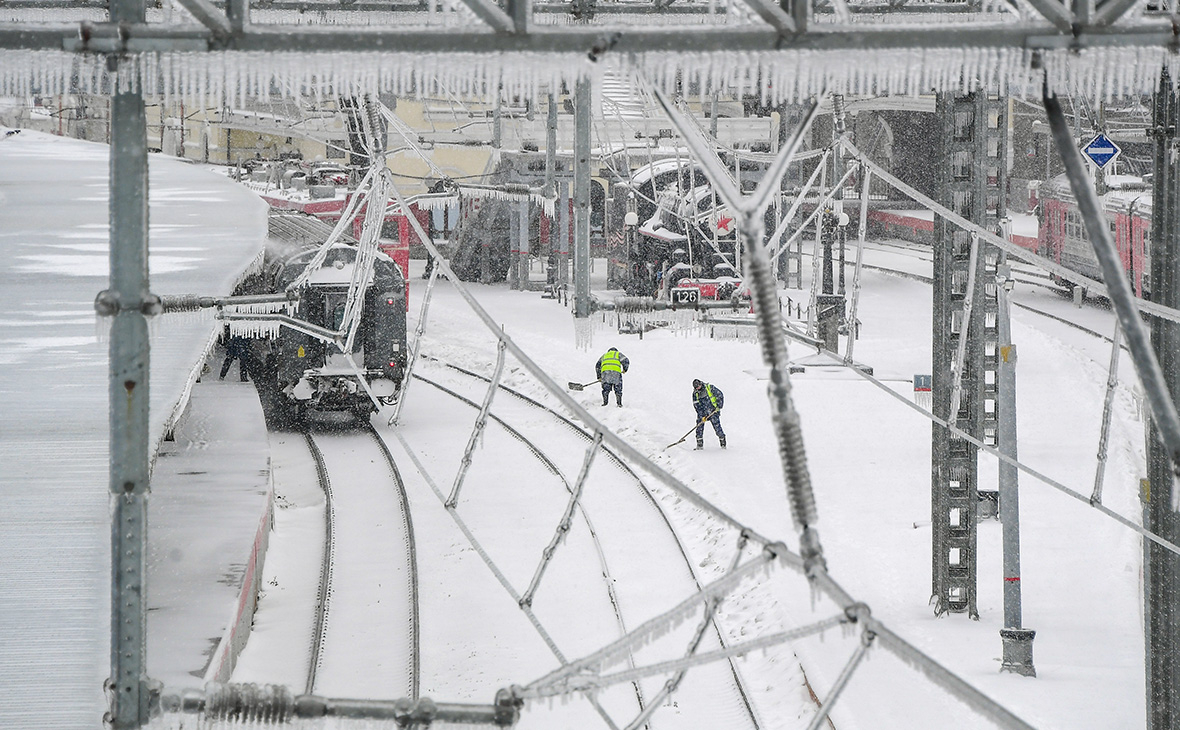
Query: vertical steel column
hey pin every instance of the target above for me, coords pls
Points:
(563, 231)
(550, 190)
(1016, 640)
(992, 153)
(522, 276)
(1161, 569)
(513, 247)
(582, 121)
(129, 301)
(954, 471)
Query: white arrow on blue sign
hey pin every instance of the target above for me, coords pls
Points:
(1101, 150)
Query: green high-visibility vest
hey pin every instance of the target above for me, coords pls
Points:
(611, 362)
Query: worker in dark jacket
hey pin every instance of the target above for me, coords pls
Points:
(610, 369)
(237, 349)
(708, 401)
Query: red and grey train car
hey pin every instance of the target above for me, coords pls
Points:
(1063, 236)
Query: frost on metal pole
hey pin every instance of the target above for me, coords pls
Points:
(582, 122)
(1016, 640)
(129, 302)
(1161, 570)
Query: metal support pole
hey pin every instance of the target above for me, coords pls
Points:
(481, 422)
(522, 276)
(497, 127)
(582, 122)
(513, 248)
(836, 235)
(1161, 569)
(862, 226)
(415, 347)
(1112, 381)
(1016, 639)
(129, 301)
(1147, 365)
(563, 232)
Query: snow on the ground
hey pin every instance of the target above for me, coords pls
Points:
(869, 460)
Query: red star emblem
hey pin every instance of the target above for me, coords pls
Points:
(723, 223)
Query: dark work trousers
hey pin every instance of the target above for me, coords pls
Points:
(243, 363)
(617, 388)
(715, 419)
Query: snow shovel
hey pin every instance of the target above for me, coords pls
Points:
(689, 432)
(579, 386)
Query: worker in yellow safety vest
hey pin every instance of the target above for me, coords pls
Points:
(610, 369)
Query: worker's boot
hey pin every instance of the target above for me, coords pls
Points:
(700, 445)
(723, 442)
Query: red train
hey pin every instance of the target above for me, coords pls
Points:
(1063, 236)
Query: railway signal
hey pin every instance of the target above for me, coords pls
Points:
(1101, 150)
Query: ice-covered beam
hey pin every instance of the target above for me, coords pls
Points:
(135, 38)
(773, 14)
(1110, 11)
(210, 17)
(491, 14)
(1147, 366)
(1055, 13)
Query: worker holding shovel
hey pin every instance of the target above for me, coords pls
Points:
(610, 369)
(707, 400)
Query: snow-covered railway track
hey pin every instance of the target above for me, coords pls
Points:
(365, 640)
(1022, 278)
(543, 430)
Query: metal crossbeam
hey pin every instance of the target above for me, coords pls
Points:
(209, 16)
(491, 14)
(143, 37)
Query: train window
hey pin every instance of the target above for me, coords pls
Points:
(961, 165)
(962, 240)
(964, 121)
(961, 202)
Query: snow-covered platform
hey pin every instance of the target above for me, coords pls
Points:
(210, 516)
(54, 513)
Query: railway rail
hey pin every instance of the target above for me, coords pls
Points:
(364, 640)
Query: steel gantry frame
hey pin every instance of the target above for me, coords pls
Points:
(965, 338)
(509, 28)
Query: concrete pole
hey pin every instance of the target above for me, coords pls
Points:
(1016, 639)
(582, 121)
(128, 301)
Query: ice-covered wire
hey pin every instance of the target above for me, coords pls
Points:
(960, 360)
(819, 209)
(853, 331)
(673, 682)
(660, 625)
(563, 525)
(481, 422)
(1112, 381)
(415, 346)
(1014, 250)
(499, 575)
(558, 391)
(825, 708)
(591, 682)
(1034, 473)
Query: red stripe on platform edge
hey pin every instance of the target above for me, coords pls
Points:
(1012, 580)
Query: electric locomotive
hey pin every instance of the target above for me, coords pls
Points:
(310, 368)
